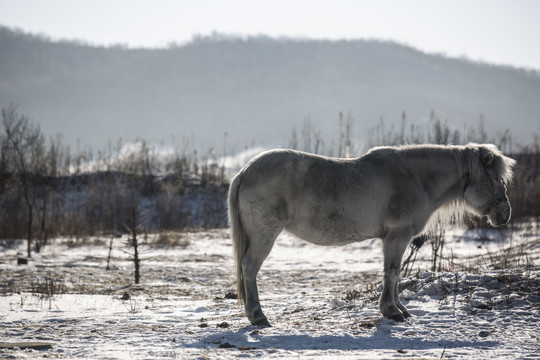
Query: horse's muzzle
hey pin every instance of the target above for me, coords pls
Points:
(500, 214)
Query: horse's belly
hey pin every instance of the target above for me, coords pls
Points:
(332, 230)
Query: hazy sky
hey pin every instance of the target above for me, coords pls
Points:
(496, 31)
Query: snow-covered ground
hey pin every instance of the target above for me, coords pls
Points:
(321, 301)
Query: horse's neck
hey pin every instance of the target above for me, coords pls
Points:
(441, 177)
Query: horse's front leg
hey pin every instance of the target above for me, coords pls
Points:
(393, 247)
(398, 303)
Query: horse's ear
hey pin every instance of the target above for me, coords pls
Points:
(487, 158)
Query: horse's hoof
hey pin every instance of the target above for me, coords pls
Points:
(262, 323)
(397, 317)
(406, 314)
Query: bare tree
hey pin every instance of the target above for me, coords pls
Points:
(25, 145)
(134, 229)
(293, 143)
(345, 134)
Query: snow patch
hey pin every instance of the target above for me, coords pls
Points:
(321, 301)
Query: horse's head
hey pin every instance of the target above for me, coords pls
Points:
(485, 192)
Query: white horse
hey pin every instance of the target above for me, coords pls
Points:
(389, 193)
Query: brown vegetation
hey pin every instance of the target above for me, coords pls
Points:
(47, 191)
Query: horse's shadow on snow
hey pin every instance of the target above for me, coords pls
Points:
(382, 338)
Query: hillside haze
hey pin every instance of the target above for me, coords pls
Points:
(255, 90)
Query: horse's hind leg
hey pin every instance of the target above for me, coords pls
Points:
(262, 235)
(393, 247)
(251, 263)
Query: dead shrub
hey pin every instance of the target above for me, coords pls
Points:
(171, 240)
(47, 287)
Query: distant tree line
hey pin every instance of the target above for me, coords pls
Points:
(46, 191)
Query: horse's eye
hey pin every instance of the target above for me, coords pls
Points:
(487, 159)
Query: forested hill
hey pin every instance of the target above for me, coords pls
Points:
(254, 89)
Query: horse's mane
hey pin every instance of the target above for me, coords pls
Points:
(468, 157)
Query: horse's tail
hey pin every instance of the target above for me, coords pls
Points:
(239, 236)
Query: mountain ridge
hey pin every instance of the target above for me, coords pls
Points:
(253, 90)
